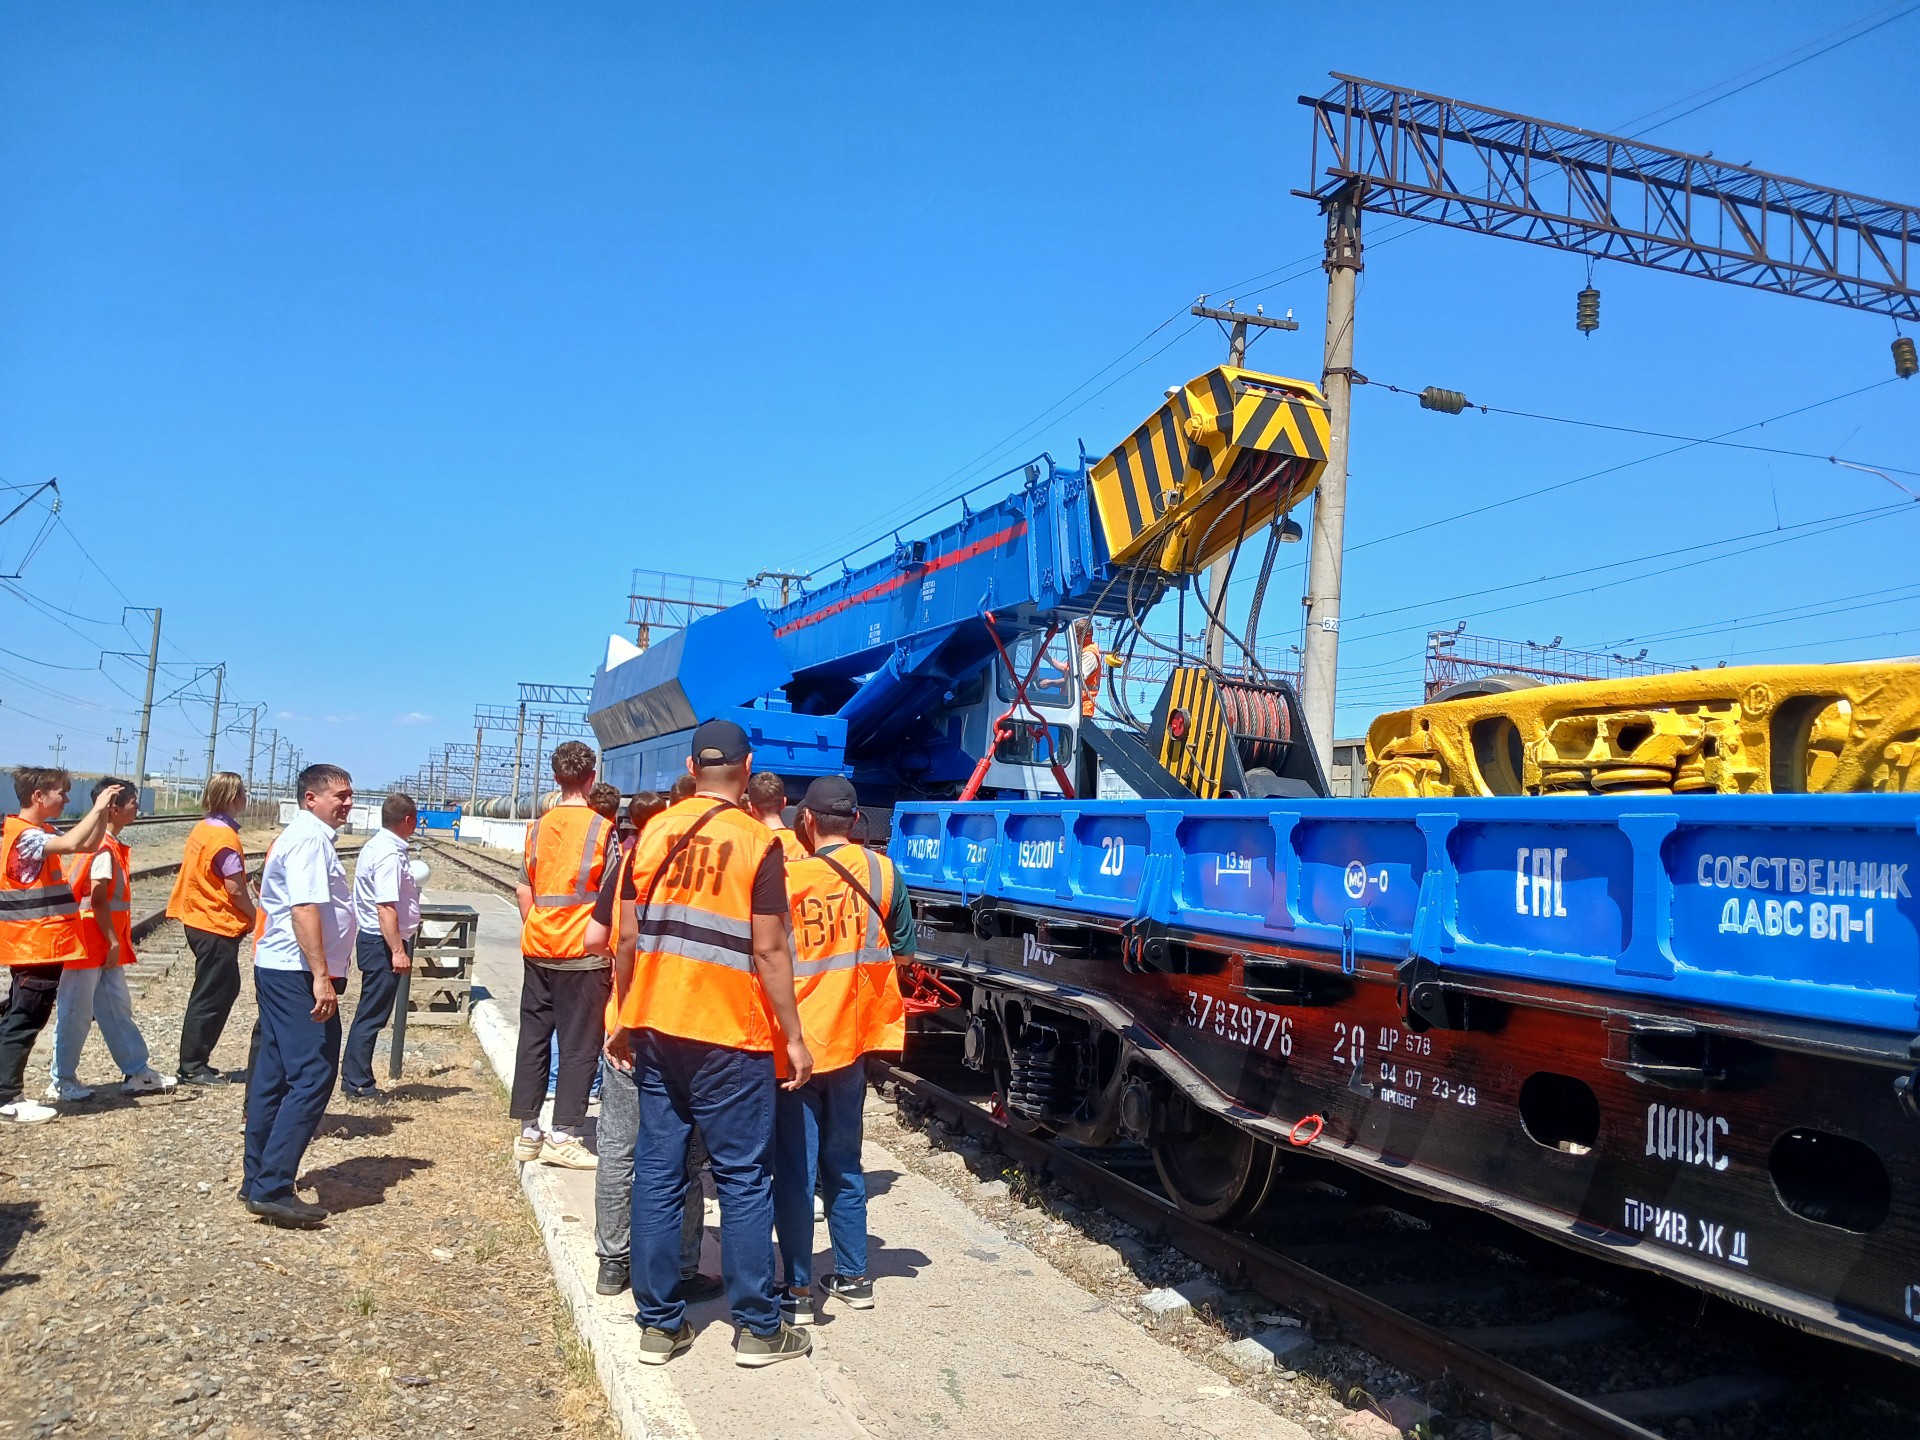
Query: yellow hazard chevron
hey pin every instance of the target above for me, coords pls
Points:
(1228, 441)
(1197, 759)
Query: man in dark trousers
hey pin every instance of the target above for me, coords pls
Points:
(386, 911)
(299, 968)
(704, 978)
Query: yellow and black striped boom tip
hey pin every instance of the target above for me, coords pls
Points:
(1175, 494)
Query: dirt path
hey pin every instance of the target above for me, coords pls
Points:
(138, 1298)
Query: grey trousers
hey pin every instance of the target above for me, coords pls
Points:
(613, 1181)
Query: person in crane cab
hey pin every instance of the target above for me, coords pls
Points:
(704, 976)
(852, 922)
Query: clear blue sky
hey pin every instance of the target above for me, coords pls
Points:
(379, 343)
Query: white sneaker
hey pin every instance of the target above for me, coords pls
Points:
(527, 1147)
(568, 1151)
(819, 1209)
(69, 1090)
(147, 1082)
(28, 1112)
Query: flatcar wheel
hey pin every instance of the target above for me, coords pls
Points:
(1220, 1175)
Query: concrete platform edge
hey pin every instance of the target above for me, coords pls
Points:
(645, 1403)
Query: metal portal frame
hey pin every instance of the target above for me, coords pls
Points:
(665, 602)
(562, 724)
(1454, 656)
(1426, 157)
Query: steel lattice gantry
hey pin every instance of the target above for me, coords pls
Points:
(1426, 157)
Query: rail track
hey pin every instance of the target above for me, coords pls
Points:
(1748, 1376)
(502, 874)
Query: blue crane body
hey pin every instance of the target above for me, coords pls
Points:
(881, 673)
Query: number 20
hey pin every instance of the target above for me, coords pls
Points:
(1113, 854)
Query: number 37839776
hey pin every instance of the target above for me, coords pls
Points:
(1248, 1025)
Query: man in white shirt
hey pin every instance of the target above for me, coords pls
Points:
(386, 908)
(299, 968)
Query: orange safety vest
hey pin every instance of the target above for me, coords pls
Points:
(119, 904)
(38, 921)
(793, 845)
(566, 856)
(1090, 680)
(199, 896)
(693, 972)
(843, 972)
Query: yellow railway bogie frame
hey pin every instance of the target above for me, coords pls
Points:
(1747, 730)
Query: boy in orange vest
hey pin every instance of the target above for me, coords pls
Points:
(39, 920)
(563, 988)
(94, 990)
(767, 799)
(852, 921)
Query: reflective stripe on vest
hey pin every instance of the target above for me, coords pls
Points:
(39, 920)
(697, 934)
(844, 975)
(693, 973)
(556, 926)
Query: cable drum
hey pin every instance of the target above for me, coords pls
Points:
(1261, 722)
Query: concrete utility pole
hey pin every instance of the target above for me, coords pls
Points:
(59, 744)
(146, 706)
(253, 741)
(213, 730)
(539, 769)
(118, 738)
(519, 744)
(1320, 664)
(1215, 642)
(478, 731)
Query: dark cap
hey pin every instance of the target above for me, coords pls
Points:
(720, 742)
(831, 795)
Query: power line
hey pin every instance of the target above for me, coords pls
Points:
(1803, 528)
(1785, 615)
(1535, 493)
(1650, 434)
(1772, 74)
(998, 449)
(1841, 523)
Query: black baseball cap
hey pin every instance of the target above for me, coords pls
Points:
(720, 742)
(831, 795)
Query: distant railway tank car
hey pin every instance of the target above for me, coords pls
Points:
(1678, 1032)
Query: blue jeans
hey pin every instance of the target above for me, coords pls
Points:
(816, 1137)
(378, 985)
(729, 1094)
(288, 1082)
(95, 996)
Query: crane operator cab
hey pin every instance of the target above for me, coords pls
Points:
(1021, 763)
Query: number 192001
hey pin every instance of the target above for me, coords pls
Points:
(1249, 1025)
